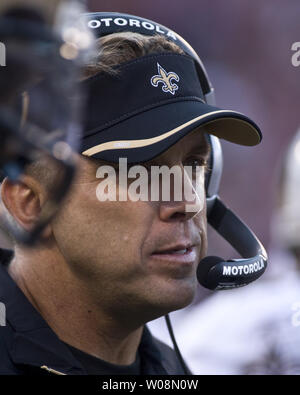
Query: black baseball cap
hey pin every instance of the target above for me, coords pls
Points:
(148, 104)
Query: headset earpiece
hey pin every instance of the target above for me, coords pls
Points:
(214, 171)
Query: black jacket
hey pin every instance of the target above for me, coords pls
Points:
(28, 346)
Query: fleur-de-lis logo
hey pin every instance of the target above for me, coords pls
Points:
(166, 79)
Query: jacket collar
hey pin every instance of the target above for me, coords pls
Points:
(36, 345)
(34, 342)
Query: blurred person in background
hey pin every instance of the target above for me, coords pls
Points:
(256, 329)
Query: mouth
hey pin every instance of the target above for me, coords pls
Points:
(178, 254)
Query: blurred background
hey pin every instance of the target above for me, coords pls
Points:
(246, 49)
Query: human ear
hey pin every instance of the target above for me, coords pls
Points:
(23, 200)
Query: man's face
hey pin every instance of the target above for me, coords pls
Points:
(136, 256)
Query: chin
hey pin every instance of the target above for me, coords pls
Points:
(175, 297)
(181, 302)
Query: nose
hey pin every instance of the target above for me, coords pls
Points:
(191, 203)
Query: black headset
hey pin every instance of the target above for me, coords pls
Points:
(213, 272)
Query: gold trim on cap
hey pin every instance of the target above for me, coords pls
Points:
(128, 144)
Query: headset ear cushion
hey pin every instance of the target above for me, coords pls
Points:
(208, 174)
(209, 169)
(215, 166)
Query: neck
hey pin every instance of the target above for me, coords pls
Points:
(68, 306)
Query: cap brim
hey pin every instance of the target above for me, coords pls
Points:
(150, 133)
